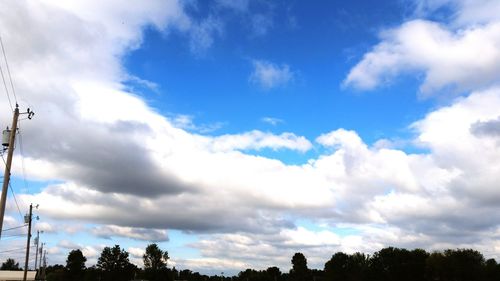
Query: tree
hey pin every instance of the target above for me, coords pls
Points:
(75, 265)
(115, 265)
(55, 273)
(273, 273)
(346, 267)
(10, 264)
(155, 258)
(299, 270)
(155, 263)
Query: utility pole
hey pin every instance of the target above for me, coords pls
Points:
(44, 264)
(37, 242)
(40, 266)
(6, 177)
(28, 243)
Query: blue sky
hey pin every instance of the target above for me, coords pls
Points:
(234, 133)
(214, 86)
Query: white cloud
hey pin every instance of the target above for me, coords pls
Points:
(463, 59)
(202, 34)
(145, 234)
(186, 122)
(271, 120)
(68, 245)
(259, 140)
(465, 12)
(269, 75)
(261, 24)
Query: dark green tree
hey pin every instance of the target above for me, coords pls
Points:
(75, 265)
(491, 270)
(346, 267)
(464, 264)
(91, 274)
(10, 264)
(155, 264)
(114, 265)
(155, 258)
(273, 273)
(55, 272)
(299, 271)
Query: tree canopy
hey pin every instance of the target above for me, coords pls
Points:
(114, 264)
(388, 264)
(10, 264)
(155, 258)
(75, 265)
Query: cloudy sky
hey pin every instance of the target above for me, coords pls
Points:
(236, 133)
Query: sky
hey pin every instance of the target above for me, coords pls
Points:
(236, 133)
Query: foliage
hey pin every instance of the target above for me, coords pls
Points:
(389, 264)
(75, 266)
(155, 258)
(56, 273)
(114, 265)
(155, 264)
(10, 264)
(299, 271)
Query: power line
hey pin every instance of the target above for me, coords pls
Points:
(15, 227)
(6, 90)
(12, 250)
(15, 200)
(21, 150)
(8, 70)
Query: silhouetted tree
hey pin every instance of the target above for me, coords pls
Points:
(55, 272)
(91, 274)
(491, 270)
(114, 265)
(299, 271)
(273, 273)
(346, 267)
(394, 264)
(464, 264)
(155, 264)
(10, 264)
(75, 265)
(155, 258)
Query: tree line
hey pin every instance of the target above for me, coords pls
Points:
(388, 264)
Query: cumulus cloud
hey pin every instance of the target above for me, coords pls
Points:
(269, 75)
(463, 59)
(258, 140)
(487, 128)
(68, 245)
(109, 231)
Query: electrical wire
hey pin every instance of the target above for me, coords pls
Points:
(15, 200)
(6, 90)
(8, 70)
(12, 250)
(15, 227)
(21, 150)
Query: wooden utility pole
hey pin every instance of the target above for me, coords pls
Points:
(40, 264)
(44, 264)
(37, 240)
(6, 177)
(28, 243)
